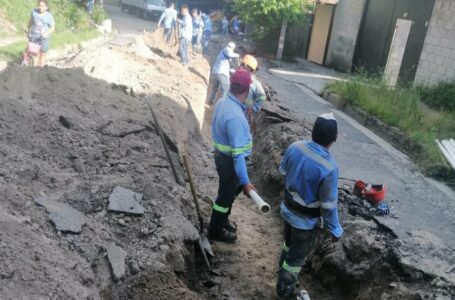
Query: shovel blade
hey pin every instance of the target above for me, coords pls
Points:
(206, 245)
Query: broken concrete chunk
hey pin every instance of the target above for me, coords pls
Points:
(116, 256)
(126, 201)
(64, 217)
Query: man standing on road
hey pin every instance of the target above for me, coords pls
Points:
(168, 18)
(257, 95)
(221, 69)
(185, 34)
(233, 143)
(311, 199)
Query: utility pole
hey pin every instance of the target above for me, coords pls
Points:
(284, 26)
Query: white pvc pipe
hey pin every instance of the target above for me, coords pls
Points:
(263, 206)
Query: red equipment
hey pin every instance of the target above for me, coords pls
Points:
(373, 193)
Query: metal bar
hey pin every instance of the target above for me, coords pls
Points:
(193, 191)
(163, 141)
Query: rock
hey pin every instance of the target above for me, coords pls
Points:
(121, 222)
(116, 256)
(135, 267)
(64, 217)
(64, 122)
(176, 261)
(78, 165)
(164, 248)
(124, 200)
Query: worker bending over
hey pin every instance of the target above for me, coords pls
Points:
(233, 143)
(311, 197)
(256, 96)
(220, 71)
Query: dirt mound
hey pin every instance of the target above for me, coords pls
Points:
(75, 138)
(138, 70)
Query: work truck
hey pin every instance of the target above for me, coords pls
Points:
(144, 8)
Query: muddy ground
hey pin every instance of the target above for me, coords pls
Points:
(74, 131)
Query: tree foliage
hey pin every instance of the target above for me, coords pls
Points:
(266, 15)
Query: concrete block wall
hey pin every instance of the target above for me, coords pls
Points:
(437, 61)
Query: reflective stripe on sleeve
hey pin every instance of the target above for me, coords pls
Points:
(329, 205)
(233, 151)
(291, 269)
(220, 209)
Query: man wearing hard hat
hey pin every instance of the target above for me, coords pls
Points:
(257, 95)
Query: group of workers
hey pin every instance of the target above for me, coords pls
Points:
(195, 29)
(309, 207)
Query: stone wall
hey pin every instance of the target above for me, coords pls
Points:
(437, 62)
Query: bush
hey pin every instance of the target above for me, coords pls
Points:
(441, 96)
(76, 18)
(99, 15)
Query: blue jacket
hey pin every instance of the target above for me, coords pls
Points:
(311, 178)
(231, 133)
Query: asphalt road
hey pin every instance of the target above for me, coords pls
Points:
(127, 24)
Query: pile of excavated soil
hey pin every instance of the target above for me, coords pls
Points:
(140, 71)
(72, 138)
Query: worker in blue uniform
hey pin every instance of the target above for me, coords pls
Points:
(310, 202)
(233, 143)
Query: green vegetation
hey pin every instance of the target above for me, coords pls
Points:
(267, 15)
(440, 97)
(60, 39)
(99, 15)
(402, 107)
(73, 24)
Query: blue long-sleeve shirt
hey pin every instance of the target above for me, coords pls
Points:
(311, 178)
(231, 134)
(222, 64)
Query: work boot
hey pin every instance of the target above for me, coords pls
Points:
(222, 235)
(217, 231)
(295, 295)
(231, 227)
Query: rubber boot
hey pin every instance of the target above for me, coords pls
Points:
(285, 287)
(217, 231)
(228, 225)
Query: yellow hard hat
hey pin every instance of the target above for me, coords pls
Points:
(250, 61)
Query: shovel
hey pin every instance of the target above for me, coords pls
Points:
(203, 242)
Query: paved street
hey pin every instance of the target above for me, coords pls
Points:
(128, 26)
